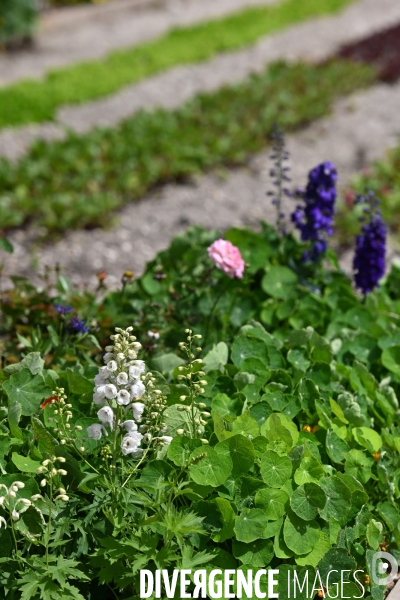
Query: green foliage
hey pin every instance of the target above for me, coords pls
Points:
(98, 78)
(80, 181)
(298, 462)
(17, 20)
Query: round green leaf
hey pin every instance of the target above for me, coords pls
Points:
(391, 359)
(245, 346)
(320, 549)
(25, 463)
(306, 500)
(241, 452)
(180, 449)
(273, 502)
(358, 464)
(246, 425)
(298, 358)
(280, 548)
(210, 467)
(309, 471)
(368, 438)
(338, 498)
(335, 447)
(250, 525)
(335, 559)
(275, 469)
(300, 536)
(279, 282)
(258, 554)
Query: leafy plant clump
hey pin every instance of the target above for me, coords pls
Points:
(94, 79)
(78, 182)
(17, 21)
(255, 425)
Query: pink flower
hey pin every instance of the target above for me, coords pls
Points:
(227, 257)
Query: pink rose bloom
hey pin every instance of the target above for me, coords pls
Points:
(227, 257)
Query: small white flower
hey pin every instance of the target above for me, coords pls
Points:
(137, 390)
(129, 425)
(132, 354)
(138, 409)
(120, 357)
(15, 515)
(112, 366)
(110, 391)
(2, 498)
(108, 356)
(141, 365)
(123, 397)
(12, 494)
(99, 379)
(95, 431)
(137, 346)
(99, 399)
(25, 501)
(19, 484)
(166, 439)
(153, 334)
(122, 378)
(3, 522)
(106, 416)
(37, 497)
(134, 372)
(131, 442)
(147, 437)
(104, 372)
(101, 391)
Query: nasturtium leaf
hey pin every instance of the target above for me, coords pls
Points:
(241, 452)
(368, 438)
(280, 548)
(29, 391)
(300, 536)
(226, 407)
(180, 449)
(275, 469)
(309, 471)
(306, 500)
(335, 447)
(390, 514)
(245, 346)
(317, 553)
(156, 471)
(299, 360)
(228, 520)
(374, 533)
(166, 363)
(338, 498)
(260, 445)
(250, 525)
(273, 528)
(258, 554)
(176, 419)
(391, 359)
(216, 358)
(279, 282)
(321, 375)
(273, 502)
(358, 464)
(280, 426)
(25, 463)
(336, 559)
(211, 469)
(245, 425)
(276, 399)
(260, 412)
(337, 411)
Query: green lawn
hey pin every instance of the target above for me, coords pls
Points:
(33, 101)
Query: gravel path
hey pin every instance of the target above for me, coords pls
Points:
(173, 87)
(359, 130)
(108, 28)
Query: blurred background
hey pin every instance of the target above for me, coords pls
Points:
(123, 122)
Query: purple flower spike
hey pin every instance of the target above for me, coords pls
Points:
(369, 258)
(77, 325)
(63, 310)
(315, 218)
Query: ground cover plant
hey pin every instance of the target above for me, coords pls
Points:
(17, 21)
(265, 387)
(80, 181)
(35, 101)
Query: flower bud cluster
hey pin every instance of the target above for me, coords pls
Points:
(197, 416)
(15, 505)
(62, 415)
(126, 396)
(50, 469)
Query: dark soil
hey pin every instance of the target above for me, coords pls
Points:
(381, 49)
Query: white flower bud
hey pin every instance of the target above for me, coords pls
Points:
(15, 515)
(180, 431)
(36, 497)
(14, 488)
(20, 485)
(61, 491)
(25, 502)
(62, 471)
(43, 483)
(61, 459)
(12, 494)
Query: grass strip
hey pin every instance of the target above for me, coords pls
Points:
(32, 101)
(77, 182)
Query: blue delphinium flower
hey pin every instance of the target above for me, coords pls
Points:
(77, 325)
(314, 219)
(369, 257)
(63, 310)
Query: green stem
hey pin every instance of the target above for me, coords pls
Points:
(49, 521)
